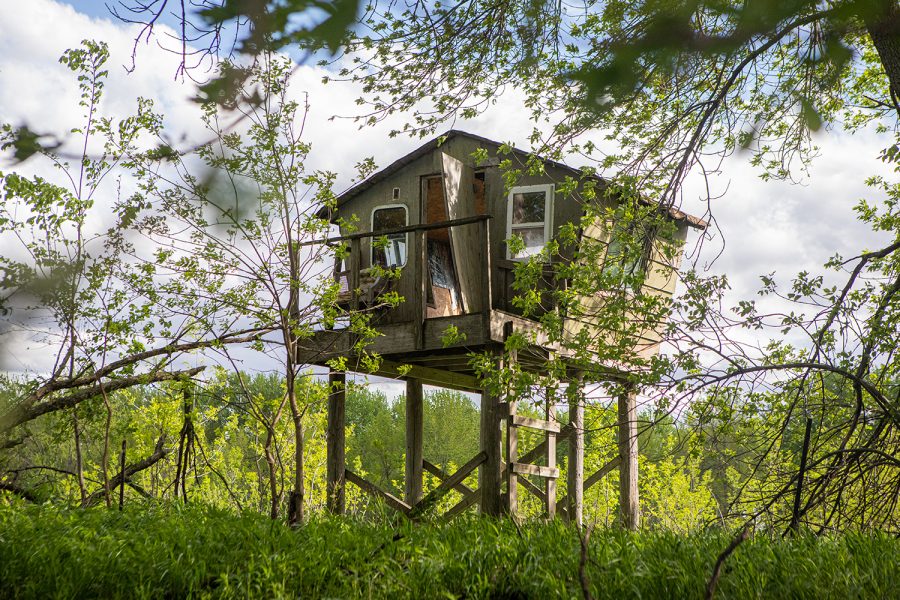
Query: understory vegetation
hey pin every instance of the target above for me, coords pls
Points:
(209, 445)
(166, 550)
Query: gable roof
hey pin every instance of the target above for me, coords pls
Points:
(434, 143)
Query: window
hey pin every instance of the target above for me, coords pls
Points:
(385, 218)
(626, 251)
(529, 217)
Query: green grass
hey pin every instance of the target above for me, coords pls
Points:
(173, 552)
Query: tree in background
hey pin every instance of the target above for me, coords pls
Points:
(77, 283)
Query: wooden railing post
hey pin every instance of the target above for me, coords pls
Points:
(486, 298)
(353, 277)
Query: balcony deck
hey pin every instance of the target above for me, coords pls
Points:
(433, 359)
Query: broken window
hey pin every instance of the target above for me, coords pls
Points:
(390, 250)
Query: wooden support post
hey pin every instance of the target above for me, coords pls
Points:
(334, 486)
(414, 436)
(629, 508)
(575, 508)
(512, 451)
(492, 446)
(512, 435)
(550, 440)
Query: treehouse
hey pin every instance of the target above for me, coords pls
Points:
(433, 228)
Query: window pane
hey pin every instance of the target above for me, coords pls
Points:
(389, 218)
(533, 238)
(528, 207)
(394, 253)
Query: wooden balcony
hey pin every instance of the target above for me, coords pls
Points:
(436, 347)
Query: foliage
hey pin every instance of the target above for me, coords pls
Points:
(164, 550)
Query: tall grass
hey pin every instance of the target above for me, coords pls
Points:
(174, 552)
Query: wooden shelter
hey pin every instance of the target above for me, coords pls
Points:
(444, 219)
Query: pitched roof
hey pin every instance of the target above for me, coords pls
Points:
(434, 143)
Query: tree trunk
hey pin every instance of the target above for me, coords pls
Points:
(79, 467)
(295, 505)
(883, 25)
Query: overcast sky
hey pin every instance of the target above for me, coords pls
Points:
(768, 226)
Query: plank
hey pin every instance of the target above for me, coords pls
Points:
(429, 376)
(462, 505)
(512, 478)
(550, 441)
(541, 424)
(470, 328)
(448, 484)
(373, 490)
(398, 230)
(533, 489)
(442, 475)
(539, 471)
(590, 481)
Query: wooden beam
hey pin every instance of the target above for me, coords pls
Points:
(462, 505)
(512, 475)
(533, 489)
(540, 450)
(420, 279)
(541, 424)
(596, 477)
(442, 475)
(398, 230)
(414, 437)
(526, 469)
(512, 434)
(575, 508)
(353, 277)
(448, 484)
(335, 443)
(486, 297)
(373, 490)
(629, 507)
(550, 442)
(429, 376)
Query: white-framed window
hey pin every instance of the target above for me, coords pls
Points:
(530, 217)
(384, 218)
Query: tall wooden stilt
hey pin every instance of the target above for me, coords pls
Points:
(334, 486)
(512, 436)
(512, 452)
(629, 507)
(491, 445)
(550, 439)
(414, 436)
(575, 509)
